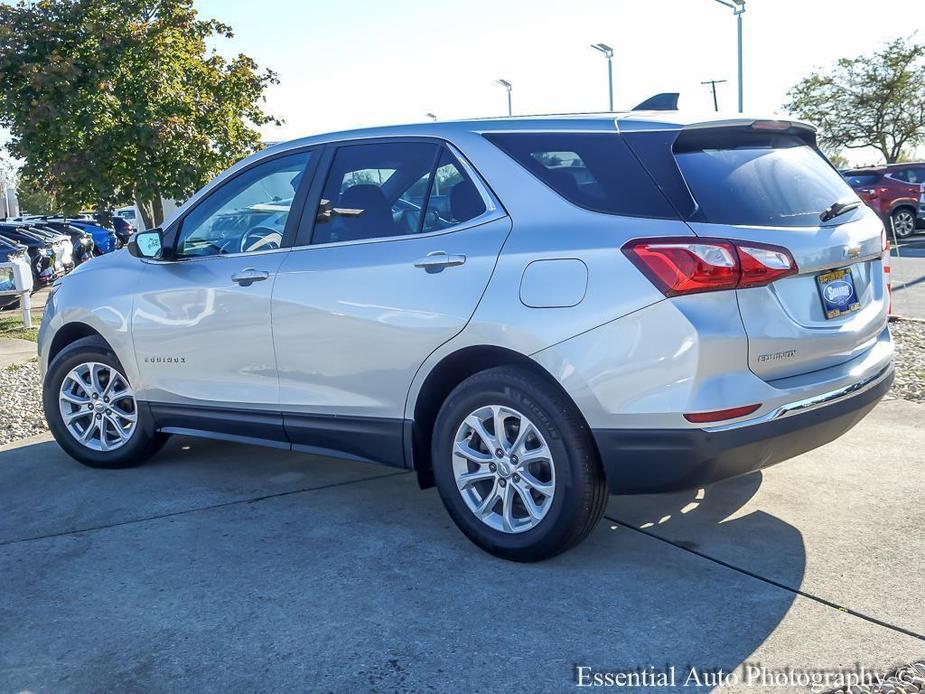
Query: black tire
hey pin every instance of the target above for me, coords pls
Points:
(580, 488)
(144, 442)
(903, 221)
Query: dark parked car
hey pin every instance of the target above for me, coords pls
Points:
(104, 239)
(123, 229)
(46, 268)
(81, 241)
(895, 192)
(61, 242)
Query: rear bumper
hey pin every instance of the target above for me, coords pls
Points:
(638, 461)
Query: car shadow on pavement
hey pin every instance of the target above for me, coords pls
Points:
(361, 582)
(708, 519)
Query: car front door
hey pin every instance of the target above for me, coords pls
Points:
(400, 240)
(201, 319)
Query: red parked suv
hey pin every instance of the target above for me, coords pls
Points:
(896, 192)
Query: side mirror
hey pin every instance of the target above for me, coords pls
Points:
(146, 244)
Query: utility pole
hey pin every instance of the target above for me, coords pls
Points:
(713, 84)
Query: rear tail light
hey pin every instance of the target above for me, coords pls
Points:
(689, 265)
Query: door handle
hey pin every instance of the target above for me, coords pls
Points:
(437, 260)
(248, 276)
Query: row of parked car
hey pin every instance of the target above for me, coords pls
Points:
(896, 192)
(53, 246)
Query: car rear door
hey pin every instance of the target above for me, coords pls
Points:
(765, 182)
(398, 243)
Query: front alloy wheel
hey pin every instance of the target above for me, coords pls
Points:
(98, 406)
(92, 409)
(503, 469)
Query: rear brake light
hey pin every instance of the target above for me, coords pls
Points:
(688, 265)
(771, 125)
(720, 415)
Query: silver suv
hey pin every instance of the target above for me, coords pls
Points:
(529, 313)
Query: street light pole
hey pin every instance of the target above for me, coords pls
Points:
(608, 53)
(738, 9)
(507, 85)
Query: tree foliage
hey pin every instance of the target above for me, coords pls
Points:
(873, 100)
(35, 199)
(114, 100)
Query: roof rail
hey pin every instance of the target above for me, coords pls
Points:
(666, 101)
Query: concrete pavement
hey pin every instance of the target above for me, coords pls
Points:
(219, 566)
(907, 265)
(13, 351)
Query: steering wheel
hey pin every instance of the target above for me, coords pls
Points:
(260, 239)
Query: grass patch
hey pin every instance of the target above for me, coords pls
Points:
(11, 326)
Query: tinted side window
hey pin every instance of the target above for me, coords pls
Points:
(901, 175)
(862, 179)
(375, 191)
(247, 213)
(596, 171)
(453, 198)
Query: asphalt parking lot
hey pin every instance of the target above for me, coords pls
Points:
(226, 567)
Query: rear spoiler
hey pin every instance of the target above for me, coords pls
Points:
(666, 101)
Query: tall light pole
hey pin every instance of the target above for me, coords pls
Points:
(608, 53)
(738, 9)
(507, 85)
(432, 116)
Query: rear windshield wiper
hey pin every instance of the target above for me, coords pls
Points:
(839, 208)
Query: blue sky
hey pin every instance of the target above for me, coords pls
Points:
(355, 62)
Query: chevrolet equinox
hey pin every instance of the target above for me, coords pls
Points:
(530, 313)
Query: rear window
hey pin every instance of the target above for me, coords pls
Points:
(747, 177)
(596, 171)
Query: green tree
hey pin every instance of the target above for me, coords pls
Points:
(839, 160)
(114, 100)
(873, 100)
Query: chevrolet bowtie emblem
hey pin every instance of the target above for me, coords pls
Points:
(852, 251)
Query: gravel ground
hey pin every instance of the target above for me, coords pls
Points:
(909, 337)
(23, 415)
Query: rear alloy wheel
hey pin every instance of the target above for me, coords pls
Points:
(903, 222)
(92, 410)
(516, 466)
(503, 469)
